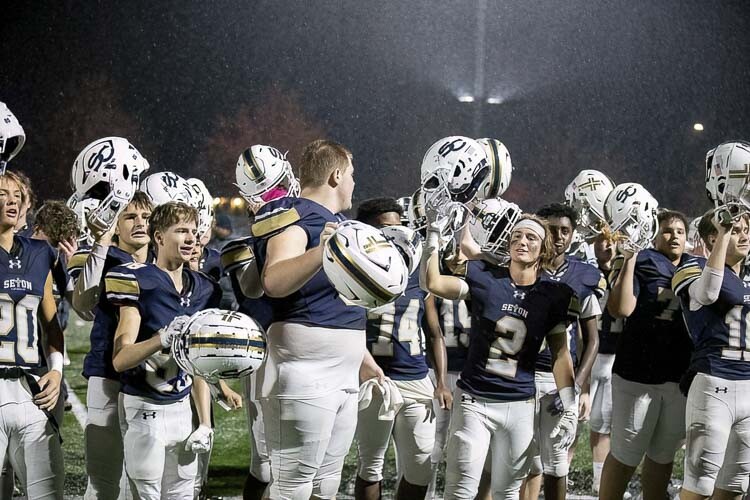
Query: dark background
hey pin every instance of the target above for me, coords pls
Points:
(615, 86)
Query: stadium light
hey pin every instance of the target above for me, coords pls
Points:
(237, 202)
(494, 100)
(466, 98)
(698, 127)
(217, 201)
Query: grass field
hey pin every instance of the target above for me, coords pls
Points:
(229, 460)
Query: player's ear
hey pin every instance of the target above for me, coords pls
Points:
(335, 178)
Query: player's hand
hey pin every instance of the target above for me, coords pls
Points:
(101, 236)
(327, 232)
(722, 219)
(566, 428)
(200, 440)
(444, 397)
(369, 369)
(50, 390)
(68, 248)
(168, 333)
(230, 397)
(584, 407)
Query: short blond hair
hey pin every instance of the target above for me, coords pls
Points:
(319, 159)
(167, 215)
(13, 177)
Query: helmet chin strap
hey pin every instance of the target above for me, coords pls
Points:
(3, 166)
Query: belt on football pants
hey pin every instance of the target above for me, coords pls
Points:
(16, 373)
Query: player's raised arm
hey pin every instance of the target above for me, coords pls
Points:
(287, 251)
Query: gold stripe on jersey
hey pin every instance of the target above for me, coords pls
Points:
(77, 260)
(235, 256)
(122, 286)
(684, 276)
(274, 222)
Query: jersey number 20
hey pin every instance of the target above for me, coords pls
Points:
(22, 317)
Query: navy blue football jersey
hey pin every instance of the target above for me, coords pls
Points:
(588, 283)
(654, 346)
(61, 284)
(395, 334)
(455, 323)
(316, 303)
(719, 330)
(509, 324)
(609, 330)
(152, 291)
(235, 255)
(210, 263)
(23, 274)
(98, 361)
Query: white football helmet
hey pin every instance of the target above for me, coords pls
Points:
(492, 222)
(727, 174)
(82, 208)
(163, 187)
(404, 202)
(586, 194)
(12, 136)
(108, 170)
(452, 170)
(416, 212)
(216, 344)
(262, 168)
(501, 169)
(202, 200)
(364, 266)
(409, 243)
(631, 210)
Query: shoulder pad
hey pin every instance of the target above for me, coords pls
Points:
(274, 220)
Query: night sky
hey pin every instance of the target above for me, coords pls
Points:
(615, 86)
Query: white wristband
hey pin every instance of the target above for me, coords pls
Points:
(55, 361)
(568, 397)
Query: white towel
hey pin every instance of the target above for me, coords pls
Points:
(392, 399)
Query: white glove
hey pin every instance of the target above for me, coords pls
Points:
(200, 440)
(566, 426)
(167, 333)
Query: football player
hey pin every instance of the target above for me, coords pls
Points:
(29, 382)
(714, 299)
(395, 338)
(127, 242)
(648, 410)
(23, 228)
(551, 458)
(513, 311)
(316, 343)
(159, 442)
(262, 176)
(601, 373)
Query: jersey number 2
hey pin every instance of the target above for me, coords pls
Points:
(511, 333)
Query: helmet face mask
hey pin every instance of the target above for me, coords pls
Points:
(260, 169)
(416, 212)
(408, 242)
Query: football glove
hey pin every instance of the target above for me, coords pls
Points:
(565, 429)
(200, 440)
(174, 328)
